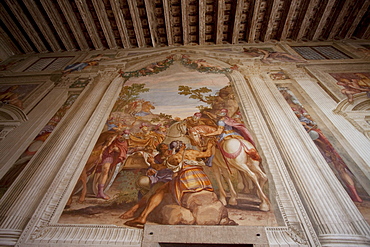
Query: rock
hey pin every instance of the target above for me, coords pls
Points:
(205, 206)
(200, 208)
(176, 215)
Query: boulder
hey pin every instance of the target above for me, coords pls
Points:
(205, 207)
(199, 208)
(176, 215)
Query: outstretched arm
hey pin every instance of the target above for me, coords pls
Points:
(218, 131)
(194, 154)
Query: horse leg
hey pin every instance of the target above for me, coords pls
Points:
(245, 182)
(233, 193)
(222, 193)
(265, 204)
(219, 164)
(262, 179)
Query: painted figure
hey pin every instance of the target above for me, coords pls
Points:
(350, 88)
(82, 65)
(269, 57)
(236, 149)
(115, 153)
(189, 177)
(329, 153)
(9, 96)
(146, 138)
(156, 175)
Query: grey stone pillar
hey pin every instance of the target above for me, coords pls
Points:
(334, 216)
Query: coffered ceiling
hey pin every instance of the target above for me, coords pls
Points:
(41, 26)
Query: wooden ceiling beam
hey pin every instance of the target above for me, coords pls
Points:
(72, 22)
(138, 27)
(12, 27)
(271, 20)
(57, 21)
(104, 23)
(254, 21)
(121, 23)
(362, 11)
(26, 25)
(42, 25)
(340, 19)
(185, 21)
(289, 19)
(89, 23)
(202, 22)
(309, 14)
(149, 7)
(168, 20)
(220, 21)
(324, 19)
(7, 45)
(366, 34)
(237, 21)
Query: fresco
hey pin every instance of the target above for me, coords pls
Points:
(325, 147)
(174, 150)
(37, 143)
(15, 94)
(269, 57)
(353, 83)
(79, 66)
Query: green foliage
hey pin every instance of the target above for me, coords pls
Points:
(199, 94)
(165, 116)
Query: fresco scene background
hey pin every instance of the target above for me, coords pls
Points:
(165, 102)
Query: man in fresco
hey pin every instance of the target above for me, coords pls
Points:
(350, 88)
(230, 127)
(112, 155)
(145, 138)
(156, 175)
(189, 177)
(329, 153)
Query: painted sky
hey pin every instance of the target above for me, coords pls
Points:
(163, 87)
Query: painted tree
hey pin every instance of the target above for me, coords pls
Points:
(202, 94)
(129, 94)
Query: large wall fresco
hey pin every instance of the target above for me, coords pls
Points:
(174, 150)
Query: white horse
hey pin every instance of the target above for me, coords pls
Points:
(241, 155)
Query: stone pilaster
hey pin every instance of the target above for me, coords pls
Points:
(298, 229)
(356, 143)
(18, 140)
(23, 198)
(335, 218)
(36, 210)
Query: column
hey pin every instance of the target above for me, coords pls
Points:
(26, 194)
(334, 216)
(16, 142)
